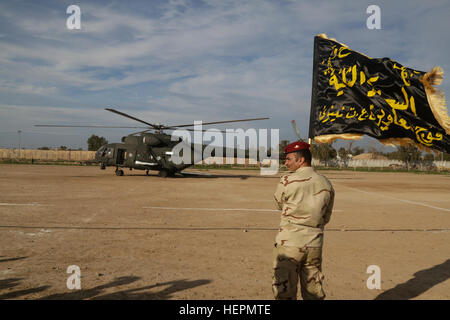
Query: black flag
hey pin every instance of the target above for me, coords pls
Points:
(353, 94)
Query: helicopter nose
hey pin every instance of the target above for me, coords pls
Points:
(97, 156)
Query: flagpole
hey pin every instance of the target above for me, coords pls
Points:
(313, 88)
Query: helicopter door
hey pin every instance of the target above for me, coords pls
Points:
(120, 156)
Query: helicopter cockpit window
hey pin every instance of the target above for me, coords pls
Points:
(106, 152)
(101, 151)
(109, 152)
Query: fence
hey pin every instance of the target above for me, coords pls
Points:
(49, 155)
(373, 163)
(394, 164)
(80, 155)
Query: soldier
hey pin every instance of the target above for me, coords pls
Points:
(305, 199)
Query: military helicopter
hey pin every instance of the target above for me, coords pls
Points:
(146, 150)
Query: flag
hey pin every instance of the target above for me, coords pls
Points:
(353, 95)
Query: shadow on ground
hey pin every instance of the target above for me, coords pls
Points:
(158, 291)
(201, 175)
(190, 175)
(8, 284)
(423, 280)
(141, 293)
(11, 259)
(163, 294)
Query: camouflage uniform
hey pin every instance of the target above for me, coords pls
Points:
(305, 199)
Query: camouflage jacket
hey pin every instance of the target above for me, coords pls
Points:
(306, 200)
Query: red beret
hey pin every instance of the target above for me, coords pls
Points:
(296, 146)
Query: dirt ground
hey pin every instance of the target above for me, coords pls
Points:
(211, 236)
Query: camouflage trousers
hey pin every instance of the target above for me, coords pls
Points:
(291, 264)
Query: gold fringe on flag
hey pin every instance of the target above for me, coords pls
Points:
(392, 142)
(395, 142)
(328, 138)
(435, 97)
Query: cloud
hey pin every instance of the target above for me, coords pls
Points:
(22, 88)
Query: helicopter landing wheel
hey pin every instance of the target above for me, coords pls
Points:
(119, 172)
(163, 173)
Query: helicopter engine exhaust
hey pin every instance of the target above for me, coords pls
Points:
(151, 140)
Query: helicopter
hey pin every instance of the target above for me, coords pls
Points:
(146, 150)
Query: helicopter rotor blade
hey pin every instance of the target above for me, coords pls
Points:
(297, 133)
(215, 122)
(73, 126)
(131, 117)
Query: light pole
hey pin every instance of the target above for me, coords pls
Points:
(19, 131)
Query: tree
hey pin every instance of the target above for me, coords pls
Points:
(349, 147)
(283, 144)
(409, 154)
(394, 155)
(95, 142)
(323, 151)
(357, 150)
(443, 156)
(343, 154)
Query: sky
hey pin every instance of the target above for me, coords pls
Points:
(174, 62)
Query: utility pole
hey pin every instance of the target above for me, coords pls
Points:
(20, 147)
